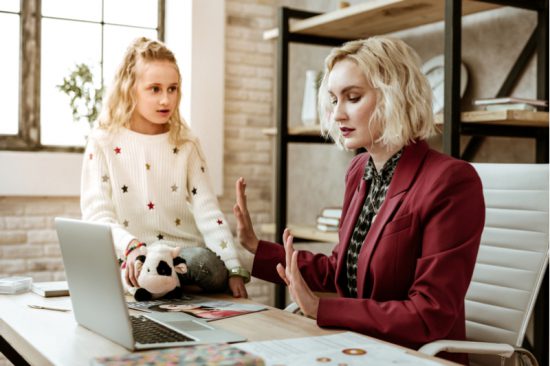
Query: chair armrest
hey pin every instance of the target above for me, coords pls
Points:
(501, 349)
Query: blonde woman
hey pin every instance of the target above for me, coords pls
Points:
(144, 172)
(412, 217)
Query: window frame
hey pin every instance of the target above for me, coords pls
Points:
(28, 136)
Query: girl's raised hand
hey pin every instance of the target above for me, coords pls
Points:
(245, 232)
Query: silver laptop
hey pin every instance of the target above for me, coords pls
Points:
(97, 296)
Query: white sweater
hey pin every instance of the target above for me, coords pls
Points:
(150, 190)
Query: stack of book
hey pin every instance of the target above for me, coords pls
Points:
(329, 219)
(511, 103)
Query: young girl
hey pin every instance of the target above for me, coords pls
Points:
(144, 172)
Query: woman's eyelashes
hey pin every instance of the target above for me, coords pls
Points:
(353, 98)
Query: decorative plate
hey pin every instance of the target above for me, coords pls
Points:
(435, 72)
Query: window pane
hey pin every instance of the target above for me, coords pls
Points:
(116, 40)
(73, 9)
(10, 5)
(144, 13)
(9, 74)
(65, 44)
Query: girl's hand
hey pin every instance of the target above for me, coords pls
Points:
(298, 288)
(236, 285)
(245, 231)
(131, 274)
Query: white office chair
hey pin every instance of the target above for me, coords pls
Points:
(510, 266)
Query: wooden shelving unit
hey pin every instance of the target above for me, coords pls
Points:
(296, 131)
(502, 118)
(376, 17)
(304, 232)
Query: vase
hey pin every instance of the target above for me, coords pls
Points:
(309, 104)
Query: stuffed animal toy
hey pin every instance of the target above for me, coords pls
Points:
(158, 270)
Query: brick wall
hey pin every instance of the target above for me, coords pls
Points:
(249, 95)
(28, 243)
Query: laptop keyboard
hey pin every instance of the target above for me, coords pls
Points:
(147, 331)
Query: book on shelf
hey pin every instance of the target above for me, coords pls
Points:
(50, 289)
(333, 212)
(207, 354)
(327, 228)
(196, 306)
(328, 220)
(510, 107)
(511, 100)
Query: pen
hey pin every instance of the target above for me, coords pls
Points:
(32, 306)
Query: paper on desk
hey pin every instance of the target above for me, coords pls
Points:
(343, 349)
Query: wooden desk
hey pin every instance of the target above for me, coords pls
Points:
(45, 337)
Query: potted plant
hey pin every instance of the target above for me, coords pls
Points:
(85, 96)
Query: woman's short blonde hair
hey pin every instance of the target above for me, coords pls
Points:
(121, 101)
(403, 111)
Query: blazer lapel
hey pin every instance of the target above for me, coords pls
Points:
(404, 175)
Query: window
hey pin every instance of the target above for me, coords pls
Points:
(69, 32)
(9, 72)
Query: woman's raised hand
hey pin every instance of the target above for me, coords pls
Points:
(245, 231)
(297, 286)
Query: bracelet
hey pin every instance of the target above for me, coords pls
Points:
(241, 272)
(133, 247)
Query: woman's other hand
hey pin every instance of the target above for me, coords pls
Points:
(245, 231)
(297, 286)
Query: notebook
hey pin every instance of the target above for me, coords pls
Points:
(97, 295)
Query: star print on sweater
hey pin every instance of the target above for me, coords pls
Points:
(175, 199)
(160, 236)
(117, 150)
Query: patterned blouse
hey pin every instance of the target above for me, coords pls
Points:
(378, 186)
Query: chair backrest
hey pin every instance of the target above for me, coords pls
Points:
(513, 255)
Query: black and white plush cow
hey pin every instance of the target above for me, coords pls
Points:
(158, 270)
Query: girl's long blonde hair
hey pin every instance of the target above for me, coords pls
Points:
(403, 111)
(121, 101)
